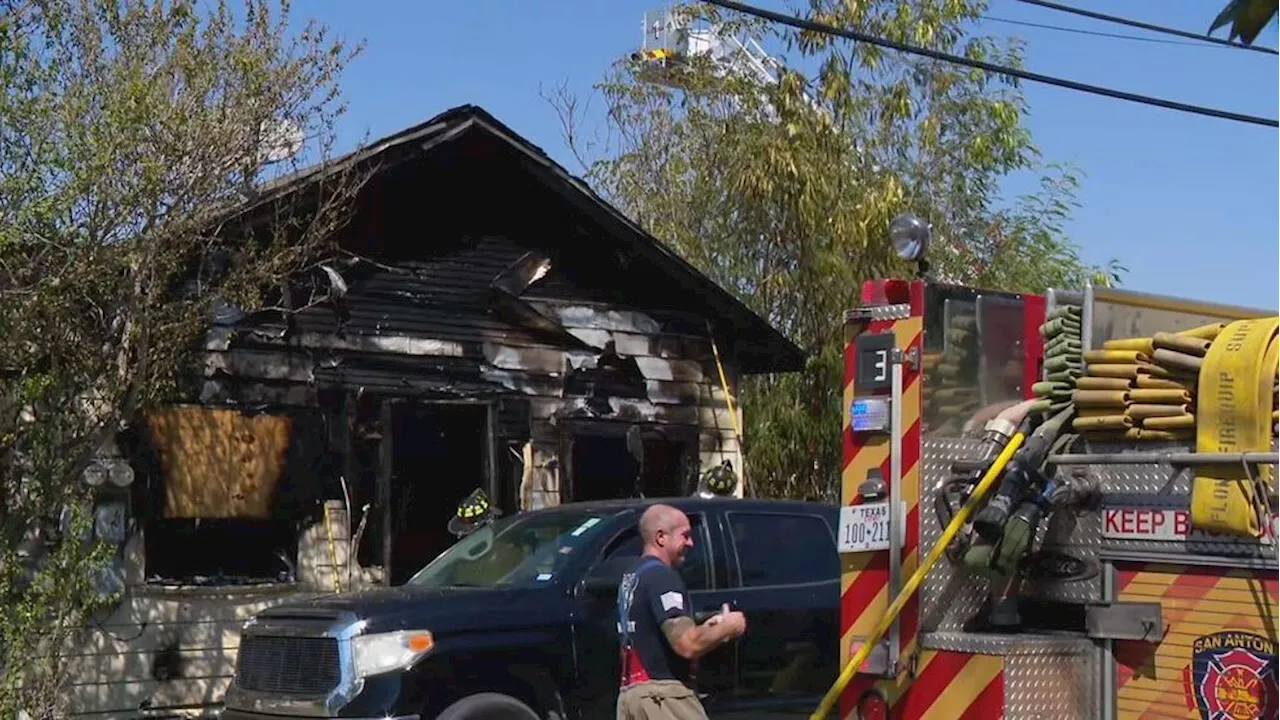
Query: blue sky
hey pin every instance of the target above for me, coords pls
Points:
(1187, 203)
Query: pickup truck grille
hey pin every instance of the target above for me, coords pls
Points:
(288, 665)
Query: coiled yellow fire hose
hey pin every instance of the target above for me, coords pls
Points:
(895, 608)
(1234, 396)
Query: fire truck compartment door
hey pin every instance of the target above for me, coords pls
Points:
(1123, 621)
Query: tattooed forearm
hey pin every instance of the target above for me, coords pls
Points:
(690, 640)
(675, 630)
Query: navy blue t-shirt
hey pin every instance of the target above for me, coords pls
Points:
(650, 594)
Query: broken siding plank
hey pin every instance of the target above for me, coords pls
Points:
(373, 343)
(463, 345)
(598, 317)
(259, 365)
(471, 324)
(659, 391)
(636, 344)
(674, 393)
(416, 320)
(601, 338)
(677, 369)
(626, 411)
(540, 360)
(709, 418)
(607, 313)
(674, 345)
(462, 322)
(557, 362)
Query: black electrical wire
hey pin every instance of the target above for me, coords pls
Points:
(1148, 26)
(1097, 33)
(803, 24)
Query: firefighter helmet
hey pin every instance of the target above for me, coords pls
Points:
(720, 480)
(473, 513)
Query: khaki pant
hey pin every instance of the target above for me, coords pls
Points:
(660, 700)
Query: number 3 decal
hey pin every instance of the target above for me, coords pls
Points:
(875, 361)
(882, 365)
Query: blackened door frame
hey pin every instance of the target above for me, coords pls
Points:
(386, 458)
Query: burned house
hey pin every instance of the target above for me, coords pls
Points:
(494, 325)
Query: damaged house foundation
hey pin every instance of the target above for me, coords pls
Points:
(494, 324)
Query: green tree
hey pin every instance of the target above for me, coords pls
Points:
(783, 192)
(135, 136)
(1247, 18)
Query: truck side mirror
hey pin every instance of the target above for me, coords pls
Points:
(600, 585)
(604, 578)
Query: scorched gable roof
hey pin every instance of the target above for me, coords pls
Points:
(757, 346)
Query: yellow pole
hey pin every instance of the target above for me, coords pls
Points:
(728, 396)
(846, 675)
(728, 399)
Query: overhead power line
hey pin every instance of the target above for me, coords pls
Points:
(803, 24)
(1097, 33)
(1148, 26)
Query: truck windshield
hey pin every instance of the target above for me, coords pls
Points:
(520, 550)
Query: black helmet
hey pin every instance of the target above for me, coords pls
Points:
(720, 480)
(473, 513)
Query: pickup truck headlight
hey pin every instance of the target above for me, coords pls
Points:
(384, 652)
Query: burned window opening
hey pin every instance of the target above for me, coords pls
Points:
(227, 493)
(611, 375)
(605, 463)
(439, 455)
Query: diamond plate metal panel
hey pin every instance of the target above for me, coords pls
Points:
(1162, 486)
(949, 596)
(1006, 644)
(878, 312)
(1154, 479)
(1045, 676)
(1051, 684)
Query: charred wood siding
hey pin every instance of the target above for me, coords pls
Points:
(427, 329)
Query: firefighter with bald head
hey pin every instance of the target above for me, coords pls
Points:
(660, 641)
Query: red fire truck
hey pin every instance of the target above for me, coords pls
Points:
(1014, 546)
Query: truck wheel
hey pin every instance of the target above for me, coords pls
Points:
(488, 706)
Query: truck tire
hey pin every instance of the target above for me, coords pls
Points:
(486, 706)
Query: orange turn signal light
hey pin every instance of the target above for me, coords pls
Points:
(420, 642)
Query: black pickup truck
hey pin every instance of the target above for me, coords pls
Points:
(518, 621)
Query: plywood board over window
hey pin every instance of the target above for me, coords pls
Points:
(219, 463)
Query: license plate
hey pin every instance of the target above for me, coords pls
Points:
(864, 528)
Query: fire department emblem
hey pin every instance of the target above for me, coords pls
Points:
(1233, 676)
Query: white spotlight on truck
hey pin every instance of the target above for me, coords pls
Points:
(910, 236)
